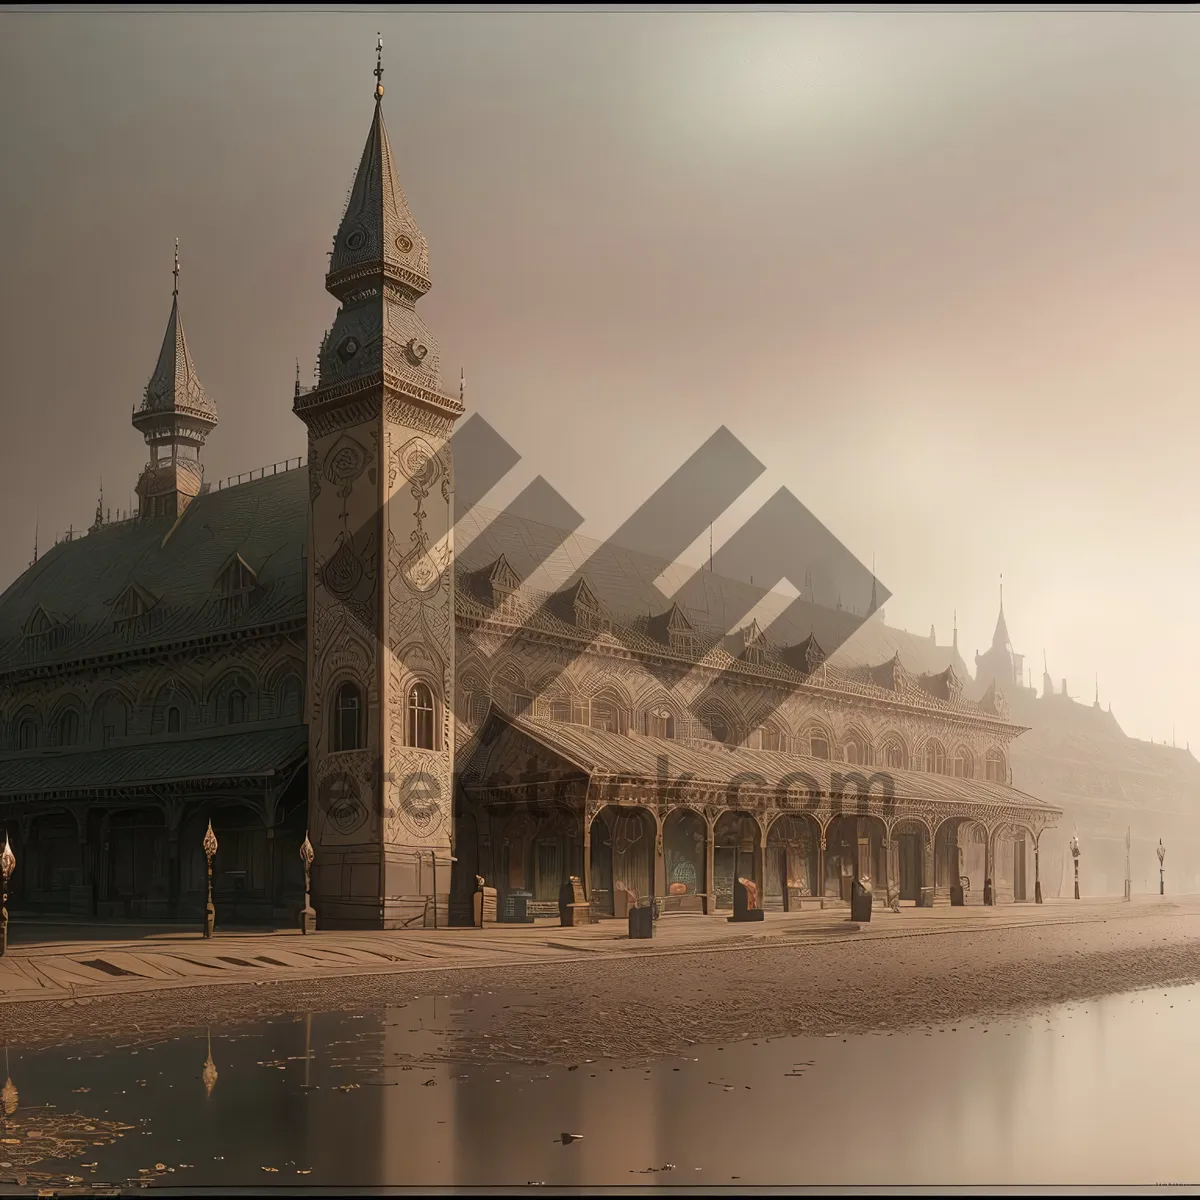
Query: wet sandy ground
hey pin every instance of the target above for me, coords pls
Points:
(654, 1006)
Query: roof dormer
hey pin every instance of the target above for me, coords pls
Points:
(944, 686)
(41, 621)
(805, 656)
(578, 605)
(237, 577)
(502, 580)
(674, 630)
(134, 602)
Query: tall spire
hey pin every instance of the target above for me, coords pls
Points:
(175, 418)
(1000, 639)
(37, 521)
(955, 642)
(462, 385)
(378, 67)
(874, 606)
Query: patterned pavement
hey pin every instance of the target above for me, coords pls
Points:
(153, 958)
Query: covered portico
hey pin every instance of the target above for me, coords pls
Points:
(668, 819)
(118, 832)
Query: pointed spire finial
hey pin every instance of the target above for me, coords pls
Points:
(462, 384)
(175, 272)
(297, 377)
(378, 68)
(37, 520)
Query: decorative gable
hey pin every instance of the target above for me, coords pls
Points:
(236, 577)
(888, 675)
(578, 605)
(503, 581)
(674, 630)
(44, 631)
(134, 602)
(993, 702)
(944, 686)
(41, 621)
(804, 657)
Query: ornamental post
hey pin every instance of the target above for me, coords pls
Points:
(8, 864)
(1162, 853)
(210, 851)
(308, 916)
(1075, 856)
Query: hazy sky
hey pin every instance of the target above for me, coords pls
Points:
(940, 272)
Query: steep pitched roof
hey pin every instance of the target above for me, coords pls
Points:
(265, 521)
(174, 386)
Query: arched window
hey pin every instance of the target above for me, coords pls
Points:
(660, 723)
(236, 707)
(560, 710)
(68, 728)
(347, 718)
(716, 727)
(995, 767)
(769, 738)
(963, 768)
(110, 719)
(818, 744)
(27, 734)
(291, 696)
(174, 720)
(935, 758)
(606, 715)
(851, 752)
(893, 754)
(421, 715)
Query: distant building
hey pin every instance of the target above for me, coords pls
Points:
(434, 694)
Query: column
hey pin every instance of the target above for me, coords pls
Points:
(587, 857)
(710, 866)
(888, 874)
(893, 868)
(173, 872)
(660, 864)
(989, 863)
(821, 867)
(863, 864)
(1037, 869)
(927, 872)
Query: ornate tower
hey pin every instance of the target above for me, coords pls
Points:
(175, 417)
(381, 588)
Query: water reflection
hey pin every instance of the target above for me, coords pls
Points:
(1086, 1094)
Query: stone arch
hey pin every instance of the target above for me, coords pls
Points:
(847, 858)
(609, 708)
(893, 751)
(815, 739)
(932, 756)
(66, 726)
(714, 721)
(995, 765)
(912, 840)
(510, 689)
(472, 691)
(685, 856)
(962, 763)
(110, 715)
(232, 698)
(792, 861)
(855, 746)
(657, 714)
(172, 707)
(622, 840)
(283, 685)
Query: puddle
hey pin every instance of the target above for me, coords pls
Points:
(1094, 1093)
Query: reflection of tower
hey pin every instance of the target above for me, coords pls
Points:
(8, 1093)
(380, 600)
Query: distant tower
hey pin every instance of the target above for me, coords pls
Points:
(1000, 664)
(1047, 682)
(381, 588)
(175, 417)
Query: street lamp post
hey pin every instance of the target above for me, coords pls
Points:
(1075, 856)
(210, 851)
(8, 863)
(1162, 853)
(308, 915)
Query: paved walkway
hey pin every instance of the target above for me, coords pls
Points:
(70, 961)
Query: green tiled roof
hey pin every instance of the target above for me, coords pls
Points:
(226, 756)
(77, 581)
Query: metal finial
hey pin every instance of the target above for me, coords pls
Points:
(297, 377)
(175, 272)
(378, 68)
(462, 384)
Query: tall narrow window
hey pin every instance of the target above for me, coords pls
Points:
(347, 718)
(237, 707)
(893, 755)
(935, 758)
(660, 723)
(818, 745)
(174, 720)
(68, 728)
(420, 717)
(962, 763)
(995, 767)
(716, 727)
(560, 710)
(851, 752)
(27, 738)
